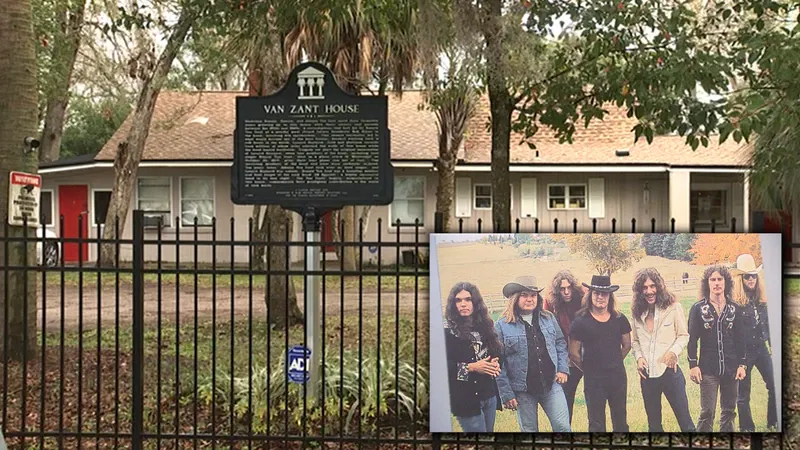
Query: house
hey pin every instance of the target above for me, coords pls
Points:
(602, 175)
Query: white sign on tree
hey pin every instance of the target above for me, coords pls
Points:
(24, 195)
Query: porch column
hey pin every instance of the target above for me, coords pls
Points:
(679, 199)
(746, 219)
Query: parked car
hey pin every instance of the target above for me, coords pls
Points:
(52, 249)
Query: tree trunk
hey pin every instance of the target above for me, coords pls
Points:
(65, 52)
(501, 105)
(271, 222)
(18, 120)
(129, 153)
(445, 191)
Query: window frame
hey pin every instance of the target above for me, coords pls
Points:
(475, 196)
(52, 207)
(94, 207)
(168, 223)
(410, 226)
(567, 196)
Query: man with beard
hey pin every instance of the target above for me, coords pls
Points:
(600, 338)
(658, 336)
(716, 322)
(534, 358)
(473, 352)
(750, 294)
(565, 301)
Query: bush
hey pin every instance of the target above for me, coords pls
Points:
(269, 392)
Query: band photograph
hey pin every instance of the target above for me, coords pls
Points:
(605, 332)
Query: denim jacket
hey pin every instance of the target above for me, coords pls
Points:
(514, 362)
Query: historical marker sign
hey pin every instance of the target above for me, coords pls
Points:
(24, 195)
(312, 145)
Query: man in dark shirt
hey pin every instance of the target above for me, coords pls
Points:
(604, 335)
(751, 296)
(717, 323)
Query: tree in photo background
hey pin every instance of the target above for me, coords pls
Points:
(725, 248)
(670, 246)
(607, 253)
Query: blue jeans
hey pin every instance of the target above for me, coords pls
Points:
(483, 422)
(554, 404)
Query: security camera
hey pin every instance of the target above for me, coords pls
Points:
(31, 144)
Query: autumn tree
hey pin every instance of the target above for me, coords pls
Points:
(725, 248)
(606, 253)
(18, 121)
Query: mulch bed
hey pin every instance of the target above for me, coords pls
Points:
(115, 406)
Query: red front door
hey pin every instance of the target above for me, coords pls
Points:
(327, 230)
(73, 202)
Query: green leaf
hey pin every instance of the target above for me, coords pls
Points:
(724, 131)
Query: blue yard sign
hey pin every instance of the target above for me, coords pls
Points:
(297, 358)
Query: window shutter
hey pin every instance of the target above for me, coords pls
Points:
(527, 194)
(597, 198)
(463, 197)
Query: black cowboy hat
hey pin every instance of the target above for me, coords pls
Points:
(526, 283)
(601, 283)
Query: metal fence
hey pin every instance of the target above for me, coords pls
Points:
(185, 354)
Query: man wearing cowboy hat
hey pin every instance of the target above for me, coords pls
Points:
(750, 294)
(716, 322)
(600, 338)
(534, 360)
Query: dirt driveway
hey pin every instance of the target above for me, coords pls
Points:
(107, 302)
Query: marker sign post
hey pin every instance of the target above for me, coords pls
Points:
(24, 196)
(312, 148)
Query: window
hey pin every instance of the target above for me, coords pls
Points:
(566, 196)
(46, 208)
(409, 200)
(197, 201)
(706, 205)
(154, 195)
(483, 196)
(100, 202)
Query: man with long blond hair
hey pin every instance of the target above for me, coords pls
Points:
(564, 300)
(750, 293)
(658, 336)
(534, 359)
(600, 338)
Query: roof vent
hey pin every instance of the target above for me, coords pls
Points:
(200, 120)
(623, 152)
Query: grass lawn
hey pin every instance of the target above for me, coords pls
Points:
(389, 281)
(791, 286)
(637, 419)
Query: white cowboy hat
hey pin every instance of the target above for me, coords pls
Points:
(746, 264)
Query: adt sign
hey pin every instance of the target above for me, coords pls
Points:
(297, 360)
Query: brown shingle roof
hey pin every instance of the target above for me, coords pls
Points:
(598, 144)
(199, 126)
(178, 132)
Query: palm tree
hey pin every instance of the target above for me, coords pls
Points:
(18, 120)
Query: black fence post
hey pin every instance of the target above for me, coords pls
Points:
(137, 365)
(733, 224)
(653, 225)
